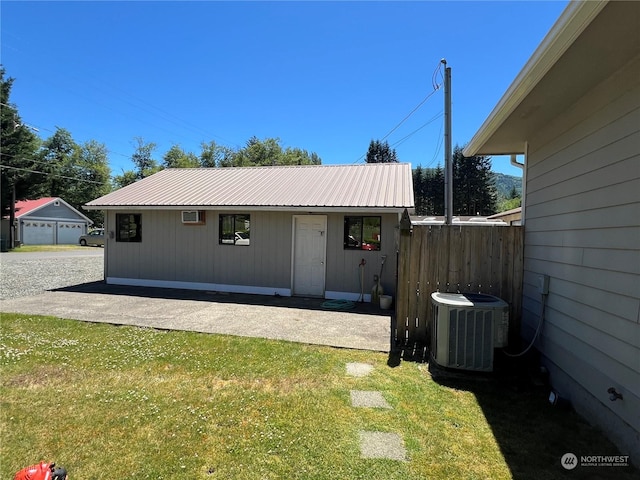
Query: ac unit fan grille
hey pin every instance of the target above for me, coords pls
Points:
(471, 339)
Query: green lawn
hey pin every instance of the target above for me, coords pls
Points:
(123, 402)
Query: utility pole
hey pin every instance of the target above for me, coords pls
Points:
(448, 162)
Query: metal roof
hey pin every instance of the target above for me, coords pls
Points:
(382, 186)
(28, 207)
(24, 207)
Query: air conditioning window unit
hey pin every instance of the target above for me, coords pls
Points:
(467, 327)
(193, 216)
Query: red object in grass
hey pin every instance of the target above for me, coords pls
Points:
(41, 471)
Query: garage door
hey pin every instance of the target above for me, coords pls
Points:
(38, 233)
(69, 233)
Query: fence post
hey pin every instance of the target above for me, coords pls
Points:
(399, 330)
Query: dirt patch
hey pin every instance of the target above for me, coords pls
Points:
(44, 376)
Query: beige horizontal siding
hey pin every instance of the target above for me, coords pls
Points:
(175, 252)
(583, 230)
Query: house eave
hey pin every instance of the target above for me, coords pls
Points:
(574, 20)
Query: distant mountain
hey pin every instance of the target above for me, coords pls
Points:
(505, 184)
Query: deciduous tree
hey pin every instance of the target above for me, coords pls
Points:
(143, 161)
(176, 157)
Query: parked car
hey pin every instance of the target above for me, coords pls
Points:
(95, 237)
(353, 243)
(240, 238)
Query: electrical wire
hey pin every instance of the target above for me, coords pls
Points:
(410, 113)
(51, 174)
(158, 114)
(537, 333)
(438, 147)
(436, 86)
(417, 130)
(434, 76)
(32, 160)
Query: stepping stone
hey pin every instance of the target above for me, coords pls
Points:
(382, 445)
(359, 369)
(371, 399)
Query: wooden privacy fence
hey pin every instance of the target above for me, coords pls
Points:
(455, 258)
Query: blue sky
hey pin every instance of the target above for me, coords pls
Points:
(327, 77)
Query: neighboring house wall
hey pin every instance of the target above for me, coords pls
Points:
(173, 254)
(57, 212)
(510, 217)
(583, 230)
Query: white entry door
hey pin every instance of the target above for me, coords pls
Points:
(309, 252)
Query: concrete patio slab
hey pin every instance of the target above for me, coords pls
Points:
(294, 319)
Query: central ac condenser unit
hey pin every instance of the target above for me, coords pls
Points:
(466, 329)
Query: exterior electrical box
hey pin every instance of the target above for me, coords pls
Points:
(467, 327)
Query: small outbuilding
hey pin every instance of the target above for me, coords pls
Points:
(318, 230)
(48, 221)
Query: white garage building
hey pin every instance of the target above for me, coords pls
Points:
(49, 221)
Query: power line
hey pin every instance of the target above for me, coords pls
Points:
(436, 86)
(417, 130)
(410, 113)
(438, 147)
(159, 113)
(51, 174)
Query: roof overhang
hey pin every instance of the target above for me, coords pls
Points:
(253, 208)
(589, 41)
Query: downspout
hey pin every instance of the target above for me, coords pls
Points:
(515, 162)
(518, 164)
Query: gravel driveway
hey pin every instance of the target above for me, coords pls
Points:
(24, 274)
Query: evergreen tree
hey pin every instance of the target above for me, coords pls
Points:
(435, 186)
(419, 191)
(17, 158)
(380, 153)
(474, 192)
